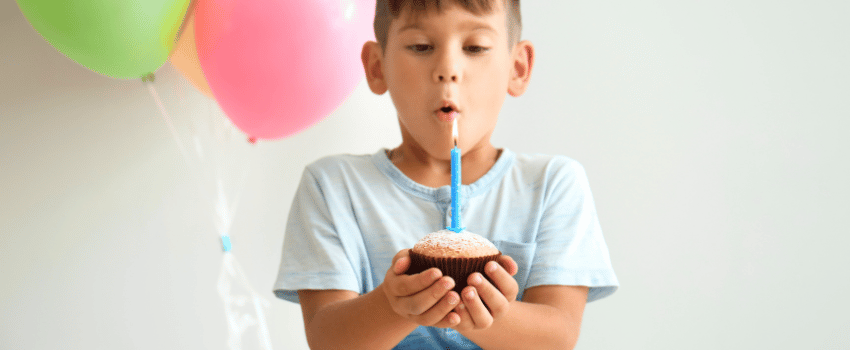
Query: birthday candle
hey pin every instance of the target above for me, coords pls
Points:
(456, 225)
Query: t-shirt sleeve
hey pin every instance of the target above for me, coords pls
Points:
(570, 247)
(313, 253)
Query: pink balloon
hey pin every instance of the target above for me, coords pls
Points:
(276, 67)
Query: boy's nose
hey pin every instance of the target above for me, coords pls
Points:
(447, 69)
(453, 77)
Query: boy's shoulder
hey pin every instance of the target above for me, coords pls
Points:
(340, 164)
(547, 164)
(342, 158)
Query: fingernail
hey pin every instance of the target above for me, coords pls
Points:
(447, 283)
(491, 266)
(435, 274)
(476, 279)
(453, 299)
(470, 295)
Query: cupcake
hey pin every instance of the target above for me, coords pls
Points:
(456, 254)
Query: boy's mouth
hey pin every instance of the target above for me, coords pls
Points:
(447, 114)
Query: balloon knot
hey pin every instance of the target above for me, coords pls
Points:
(149, 77)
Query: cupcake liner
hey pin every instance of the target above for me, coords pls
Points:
(458, 269)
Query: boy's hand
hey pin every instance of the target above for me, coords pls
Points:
(425, 298)
(473, 313)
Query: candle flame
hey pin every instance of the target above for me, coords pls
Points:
(454, 131)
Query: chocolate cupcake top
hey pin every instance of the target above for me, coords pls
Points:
(448, 244)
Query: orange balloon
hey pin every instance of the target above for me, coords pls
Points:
(185, 56)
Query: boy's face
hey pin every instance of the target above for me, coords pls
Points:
(449, 58)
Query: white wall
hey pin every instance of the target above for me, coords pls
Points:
(713, 134)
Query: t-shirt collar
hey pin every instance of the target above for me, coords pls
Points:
(443, 194)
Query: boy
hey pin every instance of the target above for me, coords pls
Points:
(353, 217)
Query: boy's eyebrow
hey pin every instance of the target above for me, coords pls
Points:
(472, 25)
(414, 25)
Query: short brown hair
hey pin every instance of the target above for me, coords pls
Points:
(388, 10)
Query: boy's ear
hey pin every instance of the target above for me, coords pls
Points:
(372, 57)
(523, 60)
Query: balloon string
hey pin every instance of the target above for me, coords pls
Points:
(259, 302)
(236, 329)
(238, 322)
(230, 266)
(224, 212)
(168, 121)
(227, 210)
(264, 329)
(240, 187)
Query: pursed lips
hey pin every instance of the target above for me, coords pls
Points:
(448, 112)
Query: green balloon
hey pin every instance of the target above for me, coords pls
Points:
(125, 39)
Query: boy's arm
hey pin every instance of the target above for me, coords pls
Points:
(380, 319)
(548, 318)
(337, 319)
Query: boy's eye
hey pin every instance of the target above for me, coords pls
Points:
(476, 49)
(419, 48)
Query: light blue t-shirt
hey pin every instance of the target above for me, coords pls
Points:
(352, 213)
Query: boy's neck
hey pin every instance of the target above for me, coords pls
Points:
(420, 167)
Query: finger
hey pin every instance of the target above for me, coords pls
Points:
(451, 320)
(508, 264)
(465, 322)
(401, 261)
(401, 253)
(494, 300)
(401, 265)
(503, 281)
(421, 302)
(408, 285)
(441, 315)
(481, 318)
